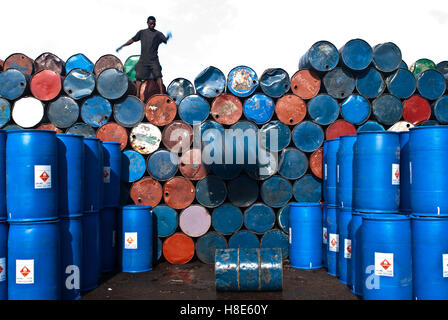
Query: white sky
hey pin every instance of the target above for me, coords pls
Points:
(223, 33)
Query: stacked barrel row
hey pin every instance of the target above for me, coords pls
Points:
(393, 239)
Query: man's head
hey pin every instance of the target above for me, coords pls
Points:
(151, 22)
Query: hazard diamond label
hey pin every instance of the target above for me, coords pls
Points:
(445, 265)
(334, 242)
(130, 240)
(106, 175)
(395, 174)
(2, 269)
(347, 248)
(24, 271)
(324, 236)
(42, 177)
(384, 264)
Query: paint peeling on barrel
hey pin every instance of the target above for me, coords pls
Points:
(316, 162)
(145, 138)
(113, 132)
(49, 61)
(146, 191)
(191, 166)
(178, 192)
(177, 136)
(290, 109)
(242, 81)
(226, 109)
(160, 110)
(21, 62)
(305, 84)
(107, 61)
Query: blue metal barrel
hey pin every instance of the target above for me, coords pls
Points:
(136, 238)
(227, 219)
(276, 191)
(265, 167)
(210, 83)
(430, 257)
(305, 235)
(307, 189)
(13, 84)
(333, 241)
(211, 191)
(162, 165)
(275, 136)
(405, 174)
(166, 220)
(93, 174)
(403, 65)
(259, 108)
(112, 83)
(386, 260)
(34, 261)
(71, 160)
(283, 218)
(245, 134)
(3, 211)
(324, 237)
(5, 112)
(129, 112)
(80, 61)
(356, 54)
(179, 88)
(242, 191)
(82, 129)
(386, 57)
(323, 109)
(429, 123)
(376, 171)
(133, 166)
(356, 271)
(308, 136)
(293, 163)
(440, 109)
(344, 266)
(244, 239)
(193, 109)
(370, 126)
(71, 257)
(108, 233)
(330, 170)
(63, 112)
(401, 84)
(207, 245)
(428, 170)
(79, 83)
(11, 127)
(339, 83)
(276, 238)
(387, 109)
(322, 56)
(259, 218)
(112, 172)
(32, 175)
(442, 67)
(431, 84)
(370, 83)
(3, 259)
(91, 252)
(275, 82)
(96, 111)
(344, 171)
(242, 81)
(355, 109)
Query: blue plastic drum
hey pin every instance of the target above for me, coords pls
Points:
(108, 233)
(356, 268)
(344, 171)
(330, 170)
(91, 254)
(405, 173)
(71, 257)
(333, 241)
(344, 265)
(93, 174)
(3, 211)
(112, 173)
(3, 259)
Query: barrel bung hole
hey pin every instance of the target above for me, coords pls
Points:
(217, 116)
(166, 194)
(217, 91)
(254, 81)
(22, 84)
(327, 67)
(70, 91)
(182, 164)
(408, 125)
(168, 101)
(139, 200)
(291, 120)
(296, 87)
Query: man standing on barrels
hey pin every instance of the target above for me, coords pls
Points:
(148, 67)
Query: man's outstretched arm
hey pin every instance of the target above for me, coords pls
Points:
(126, 44)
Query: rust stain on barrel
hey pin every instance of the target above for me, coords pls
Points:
(20, 62)
(160, 109)
(106, 62)
(146, 191)
(145, 138)
(178, 192)
(305, 84)
(49, 61)
(113, 132)
(49, 126)
(316, 162)
(177, 136)
(290, 109)
(191, 166)
(226, 109)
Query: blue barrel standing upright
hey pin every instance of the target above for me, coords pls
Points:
(355, 236)
(344, 266)
(324, 237)
(344, 171)
(108, 234)
(93, 174)
(71, 256)
(91, 253)
(333, 240)
(112, 173)
(3, 211)
(330, 167)
(405, 175)
(3, 259)
(32, 175)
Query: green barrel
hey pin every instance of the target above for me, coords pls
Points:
(422, 65)
(129, 66)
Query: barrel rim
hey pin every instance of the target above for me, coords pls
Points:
(111, 142)
(385, 216)
(441, 126)
(92, 138)
(378, 132)
(304, 204)
(136, 207)
(428, 216)
(32, 221)
(73, 135)
(29, 130)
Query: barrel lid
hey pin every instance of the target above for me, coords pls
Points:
(385, 216)
(91, 138)
(423, 216)
(137, 207)
(69, 135)
(348, 136)
(332, 206)
(304, 204)
(377, 132)
(31, 130)
(429, 127)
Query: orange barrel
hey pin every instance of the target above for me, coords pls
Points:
(49, 61)
(195, 221)
(106, 62)
(160, 109)
(226, 109)
(191, 166)
(49, 126)
(340, 128)
(45, 85)
(305, 84)
(178, 249)
(178, 192)
(21, 62)
(146, 191)
(177, 136)
(113, 132)
(316, 163)
(416, 109)
(150, 88)
(145, 138)
(290, 109)
(27, 112)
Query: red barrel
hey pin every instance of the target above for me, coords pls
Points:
(49, 61)
(150, 88)
(178, 193)
(20, 62)
(113, 132)
(226, 109)
(178, 249)
(106, 62)
(177, 136)
(290, 109)
(160, 109)
(191, 166)
(46, 85)
(416, 110)
(340, 128)
(305, 83)
(146, 191)
(49, 126)
(316, 163)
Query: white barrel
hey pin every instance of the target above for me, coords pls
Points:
(145, 138)
(401, 126)
(195, 221)
(28, 112)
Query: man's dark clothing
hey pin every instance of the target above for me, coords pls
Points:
(148, 66)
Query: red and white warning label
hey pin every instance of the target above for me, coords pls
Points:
(106, 175)
(347, 248)
(2, 269)
(24, 271)
(445, 265)
(130, 240)
(384, 264)
(324, 236)
(42, 177)
(395, 174)
(333, 242)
